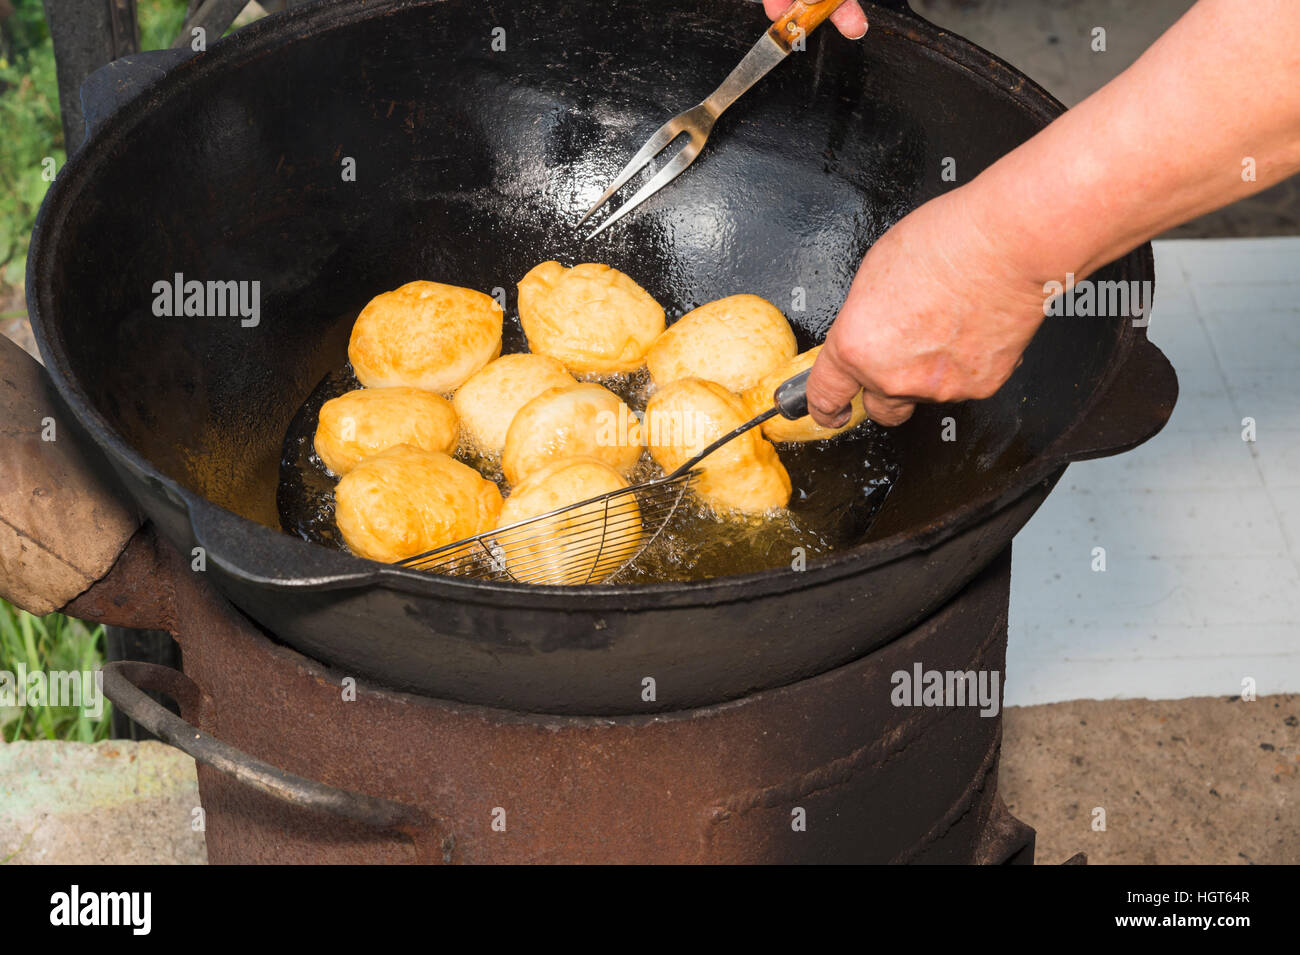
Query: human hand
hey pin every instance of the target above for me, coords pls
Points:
(937, 312)
(946, 301)
(848, 19)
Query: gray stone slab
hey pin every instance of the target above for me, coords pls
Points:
(115, 802)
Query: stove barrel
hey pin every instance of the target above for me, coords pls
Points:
(861, 764)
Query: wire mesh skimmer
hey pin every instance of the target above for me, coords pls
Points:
(593, 540)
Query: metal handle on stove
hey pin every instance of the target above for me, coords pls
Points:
(124, 684)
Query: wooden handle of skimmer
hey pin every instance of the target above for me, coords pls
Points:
(800, 19)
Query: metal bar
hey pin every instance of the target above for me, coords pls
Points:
(86, 34)
(124, 684)
(213, 16)
(125, 26)
(142, 646)
(753, 422)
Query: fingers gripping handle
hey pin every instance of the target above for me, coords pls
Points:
(800, 19)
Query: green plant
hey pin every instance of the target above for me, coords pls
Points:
(47, 644)
(25, 29)
(160, 21)
(31, 146)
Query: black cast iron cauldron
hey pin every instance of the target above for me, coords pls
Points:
(473, 164)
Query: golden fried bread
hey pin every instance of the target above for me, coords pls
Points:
(367, 421)
(591, 317)
(425, 335)
(581, 420)
(493, 395)
(406, 501)
(743, 475)
(734, 341)
(585, 545)
(759, 399)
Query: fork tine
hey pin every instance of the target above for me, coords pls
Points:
(664, 176)
(663, 136)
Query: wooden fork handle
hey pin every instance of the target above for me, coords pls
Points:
(800, 19)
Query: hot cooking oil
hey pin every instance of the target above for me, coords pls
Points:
(838, 487)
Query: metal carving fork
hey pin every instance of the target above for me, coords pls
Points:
(784, 35)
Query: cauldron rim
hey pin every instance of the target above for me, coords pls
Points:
(325, 569)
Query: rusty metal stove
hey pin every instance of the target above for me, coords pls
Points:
(404, 778)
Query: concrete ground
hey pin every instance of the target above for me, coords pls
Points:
(1203, 780)
(1180, 781)
(111, 802)
(1201, 529)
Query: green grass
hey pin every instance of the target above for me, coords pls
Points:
(160, 21)
(30, 131)
(29, 116)
(49, 643)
